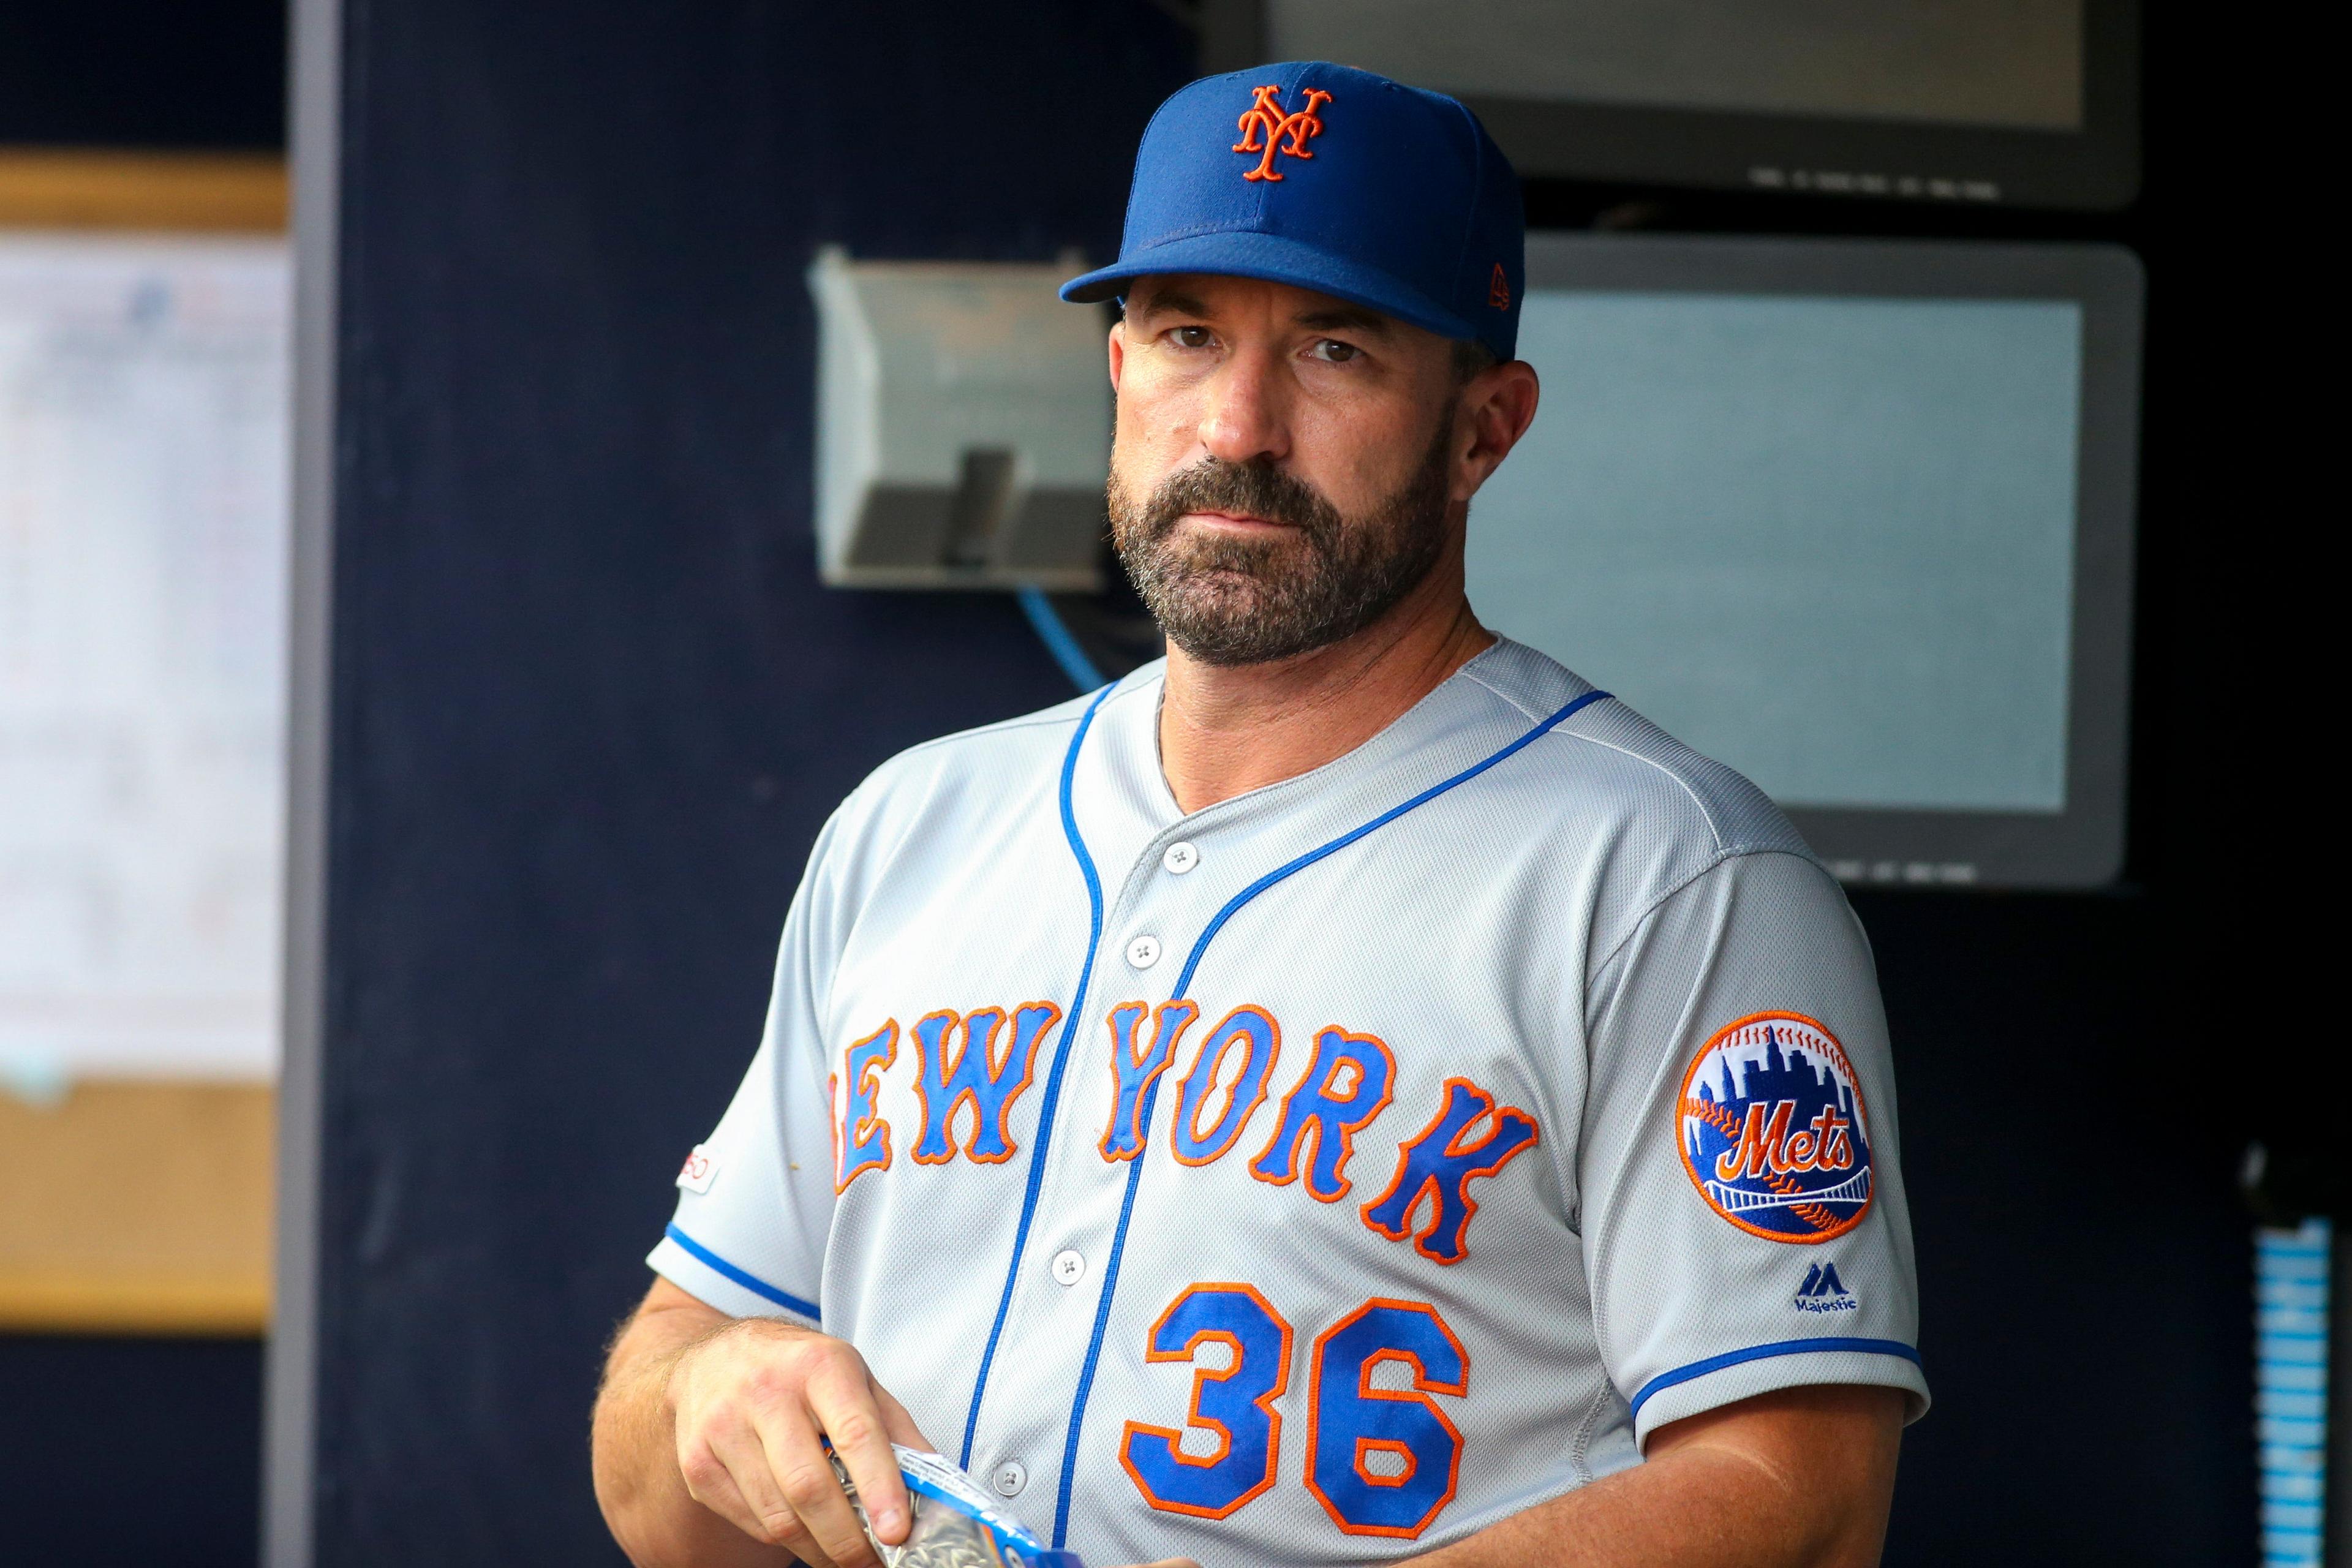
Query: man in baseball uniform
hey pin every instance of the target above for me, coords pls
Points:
(1351, 1091)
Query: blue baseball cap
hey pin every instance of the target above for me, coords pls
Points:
(1332, 179)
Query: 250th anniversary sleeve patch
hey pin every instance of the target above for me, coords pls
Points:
(1772, 1129)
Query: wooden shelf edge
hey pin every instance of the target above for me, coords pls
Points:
(106, 1304)
(104, 188)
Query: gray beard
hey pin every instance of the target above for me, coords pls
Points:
(1249, 601)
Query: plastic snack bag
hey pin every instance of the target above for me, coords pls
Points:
(956, 1523)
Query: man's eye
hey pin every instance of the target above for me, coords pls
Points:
(1331, 351)
(1189, 337)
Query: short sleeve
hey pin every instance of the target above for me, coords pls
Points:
(755, 1199)
(1741, 1197)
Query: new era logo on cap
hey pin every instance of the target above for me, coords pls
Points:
(1349, 184)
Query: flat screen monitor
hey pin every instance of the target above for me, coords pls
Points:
(1855, 518)
(2031, 102)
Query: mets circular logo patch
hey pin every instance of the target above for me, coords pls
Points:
(1773, 1132)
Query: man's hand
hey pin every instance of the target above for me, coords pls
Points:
(750, 1404)
(705, 1418)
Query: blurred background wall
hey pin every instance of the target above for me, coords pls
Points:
(589, 707)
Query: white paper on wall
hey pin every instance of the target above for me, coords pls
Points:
(143, 492)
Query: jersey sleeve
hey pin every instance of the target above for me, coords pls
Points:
(755, 1199)
(1740, 1195)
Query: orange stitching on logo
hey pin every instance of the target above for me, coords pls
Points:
(1266, 115)
(1725, 1122)
(1714, 1116)
(1814, 1214)
(1499, 289)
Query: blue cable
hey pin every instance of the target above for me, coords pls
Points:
(1058, 640)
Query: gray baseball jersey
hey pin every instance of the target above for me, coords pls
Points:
(1330, 1173)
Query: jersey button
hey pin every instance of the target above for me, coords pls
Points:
(1143, 951)
(1009, 1477)
(1181, 859)
(1069, 1267)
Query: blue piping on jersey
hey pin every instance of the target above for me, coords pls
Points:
(1184, 987)
(751, 1282)
(1051, 630)
(1072, 1022)
(1666, 1380)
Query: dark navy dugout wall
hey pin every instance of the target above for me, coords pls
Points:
(589, 707)
(588, 704)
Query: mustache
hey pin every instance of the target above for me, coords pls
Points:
(1257, 489)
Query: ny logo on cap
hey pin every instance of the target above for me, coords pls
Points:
(1265, 116)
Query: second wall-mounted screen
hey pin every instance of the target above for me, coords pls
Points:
(2011, 63)
(1831, 541)
(1855, 518)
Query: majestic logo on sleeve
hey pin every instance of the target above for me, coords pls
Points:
(1773, 1132)
(1266, 128)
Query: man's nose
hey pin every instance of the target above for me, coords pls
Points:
(1243, 419)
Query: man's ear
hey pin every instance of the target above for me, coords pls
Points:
(1498, 404)
(1118, 350)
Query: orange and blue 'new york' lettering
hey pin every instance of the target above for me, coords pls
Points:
(861, 1137)
(1134, 1070)
(975, 1075)
(1260, 1038)
(1438, 1166)
(1346, 1085)
(963, 1059)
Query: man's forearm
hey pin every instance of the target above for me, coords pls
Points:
(638, 1486)
(1797, 1480)
(1685, 1509)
